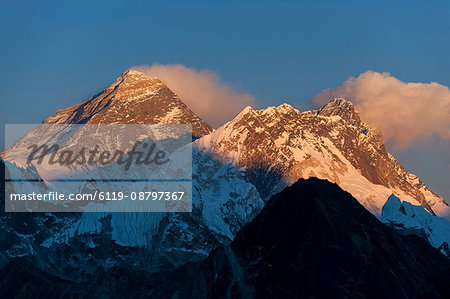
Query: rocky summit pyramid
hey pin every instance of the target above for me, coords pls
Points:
(278, 145)
(134, 98)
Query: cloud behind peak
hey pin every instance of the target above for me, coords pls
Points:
(406, 113)
(202, 91)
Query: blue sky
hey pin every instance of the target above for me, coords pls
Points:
(56, 53)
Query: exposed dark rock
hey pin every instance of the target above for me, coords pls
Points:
(311, 240)
(134, 98)
(315, 240)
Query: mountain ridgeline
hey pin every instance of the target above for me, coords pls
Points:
(134, 98)
(249, 233)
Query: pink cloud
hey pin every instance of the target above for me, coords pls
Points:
(202, 91)
(406, 113)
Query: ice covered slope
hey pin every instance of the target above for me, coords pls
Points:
(405, 216)
(223, 201)
(278, 145)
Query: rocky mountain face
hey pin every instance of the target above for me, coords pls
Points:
(134, 98)
(311, 240)
(278, 145)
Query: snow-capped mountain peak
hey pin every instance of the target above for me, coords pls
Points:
(133, 98)
(278, 145)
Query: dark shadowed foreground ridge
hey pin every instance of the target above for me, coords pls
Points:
(311, 240)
